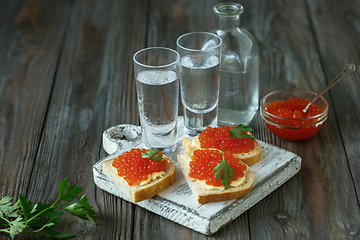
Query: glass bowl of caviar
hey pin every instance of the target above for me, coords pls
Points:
(282, 113)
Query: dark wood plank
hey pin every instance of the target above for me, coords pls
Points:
(308, 206)
(336, 27)
(94, 89)
(66, 75)
(285, 44)
(168, 20)
(31, 34)
(31, 38)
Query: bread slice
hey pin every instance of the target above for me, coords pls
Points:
(192, 143)
(214, 195)
(139, 193)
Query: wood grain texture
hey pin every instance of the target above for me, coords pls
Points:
(168, 20)
(340, 46)
(31, 34)
(66, 75)
(94, 88)
(293, 48)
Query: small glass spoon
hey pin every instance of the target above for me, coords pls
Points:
(349, 68)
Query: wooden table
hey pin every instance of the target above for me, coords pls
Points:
(66, 75)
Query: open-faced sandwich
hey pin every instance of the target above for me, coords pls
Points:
(140, 173)
(215, 164)
(215, 176)
(237, 140)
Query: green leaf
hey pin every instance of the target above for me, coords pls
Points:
(26, 206)
(7, 209)
(40, 207)
(42, 218)
(41, 213)
(16, 226)
(2, 222)
(240, 132)
(82, 210)
(70, 193)
(50, 223)
(224, 171)
(5, 200)
(54, 234)
(152, 154)
(5, 205)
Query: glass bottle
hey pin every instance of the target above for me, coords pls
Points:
(239, 70)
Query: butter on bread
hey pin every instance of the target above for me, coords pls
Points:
(141, 191)
(216, 194)
(192, 143)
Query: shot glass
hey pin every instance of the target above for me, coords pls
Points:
(157, 85)
(200, 57)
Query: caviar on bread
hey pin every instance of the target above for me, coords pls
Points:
(245, 148)
(140, 173)
(215, 175)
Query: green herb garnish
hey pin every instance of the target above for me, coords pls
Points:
(42, 218)
(152, 154)
(224, 170)
(238, 132)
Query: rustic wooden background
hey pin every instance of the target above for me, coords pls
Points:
(66, 75)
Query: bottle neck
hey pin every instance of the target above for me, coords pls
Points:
(229, 22)
(229, 15)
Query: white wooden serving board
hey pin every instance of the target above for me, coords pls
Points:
(177, 203)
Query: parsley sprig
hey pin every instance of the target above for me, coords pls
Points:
(26, 217)
(225, 171)
(152, 154)
(238, 132)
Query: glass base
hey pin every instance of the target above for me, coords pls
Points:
(166, 150)
(233, 118)
(195, 123)
(160, 137)
(192, 132)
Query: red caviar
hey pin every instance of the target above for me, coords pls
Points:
(301, 124)
(203, 162)
(134, 168)
(219, 137)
